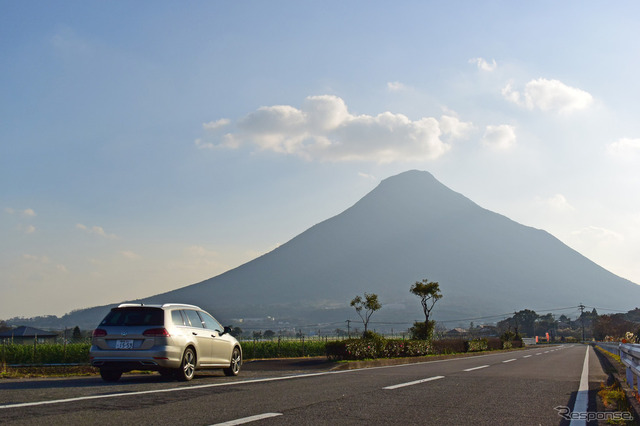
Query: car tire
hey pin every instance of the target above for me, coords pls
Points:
(235, 364)
(110, 375)
(187, 366)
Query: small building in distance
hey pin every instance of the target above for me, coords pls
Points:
(27, 335)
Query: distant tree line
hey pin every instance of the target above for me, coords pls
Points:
(528, 323)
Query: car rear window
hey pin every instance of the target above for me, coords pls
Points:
(134, 316)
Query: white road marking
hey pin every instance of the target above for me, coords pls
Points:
(211, 385)
(401, 385)
(582, 398)
(509, 360)
(526, 356)
(248, 419)
(476, 368)
(182, 388)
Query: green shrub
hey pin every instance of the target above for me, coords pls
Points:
(494, 343)
(394, 349)
(448, 346)
(477, 345)
(372, 335)
(359, 349)
(282, 349)
(510, 340)
(417, 348)
(336, 349)
(422, 330)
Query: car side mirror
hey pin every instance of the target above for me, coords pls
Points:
(227, 330)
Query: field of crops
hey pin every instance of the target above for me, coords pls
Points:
(45, 353)
(283, 348)
(78, 353)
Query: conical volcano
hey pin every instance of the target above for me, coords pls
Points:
(408, 228)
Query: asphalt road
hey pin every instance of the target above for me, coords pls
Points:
(520, 387)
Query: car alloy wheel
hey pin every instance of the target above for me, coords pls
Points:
(236, 362)
(188, 367)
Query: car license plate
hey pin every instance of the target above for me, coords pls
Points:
(124, 344)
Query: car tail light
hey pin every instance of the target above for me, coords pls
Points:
(98, 332)
(156, 332)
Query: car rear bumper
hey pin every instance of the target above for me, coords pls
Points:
(127, 360)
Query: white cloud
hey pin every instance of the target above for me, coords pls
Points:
(323, 129)
(213, 127)
(218, 124)
(499, 137)
(29, 229)
(396, 86)
(451, 125)
(199, 251)
(97, 230)
(25, 212)
(366, 176)
(32, 258)
(197, 258)
(483, 64)
(549, 95)
(66, 41)
(43, 264)
(599, 235)
(130, 255)
(625, 148)
(559, 203)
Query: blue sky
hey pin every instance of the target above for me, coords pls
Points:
(147, 145)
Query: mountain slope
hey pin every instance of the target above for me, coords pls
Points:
(411, 227)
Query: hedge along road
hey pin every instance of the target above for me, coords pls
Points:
(521, 387)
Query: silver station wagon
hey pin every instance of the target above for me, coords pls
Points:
(173, 339)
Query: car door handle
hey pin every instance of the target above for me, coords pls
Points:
(213, 335)
(194, 333)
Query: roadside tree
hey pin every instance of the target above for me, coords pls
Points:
(429, 294)
(76, 335)
(525, 321)
(369, 305)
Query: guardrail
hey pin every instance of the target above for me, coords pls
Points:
(614, 348)
(630, 357)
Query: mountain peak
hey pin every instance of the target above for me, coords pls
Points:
(416, 194)
(408, 228)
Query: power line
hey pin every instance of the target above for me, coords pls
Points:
(578, 308)
(622, 311)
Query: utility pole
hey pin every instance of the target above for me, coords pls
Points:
(581, 306)
(348, 328)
